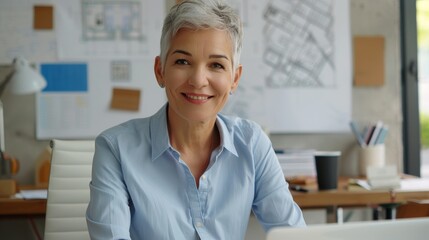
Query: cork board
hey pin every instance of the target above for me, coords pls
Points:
(43, 17)
(368, 60)
(125, 99)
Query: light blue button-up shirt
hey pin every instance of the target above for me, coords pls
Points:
(142, 189)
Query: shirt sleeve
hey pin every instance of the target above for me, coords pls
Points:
(273, 204)
(108, 212)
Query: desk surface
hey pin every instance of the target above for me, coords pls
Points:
(356, 196)
(16, 207)
(341, 197)
(22, 206)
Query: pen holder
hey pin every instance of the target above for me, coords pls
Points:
(371, 156)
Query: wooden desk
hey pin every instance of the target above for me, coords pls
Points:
(16, 207)
(355, 198)
(22, 207)
(344, 196)
(25, 208)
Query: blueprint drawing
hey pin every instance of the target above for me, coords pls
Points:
(297, 66)
(299, 43)
(116, 20)
(100, 29)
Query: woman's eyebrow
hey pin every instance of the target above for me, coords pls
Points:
(178, 51)
(182, 52)
(218, 56)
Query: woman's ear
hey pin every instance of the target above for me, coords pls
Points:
(237, 77)
(157, 68)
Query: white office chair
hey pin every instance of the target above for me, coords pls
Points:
(68, 190)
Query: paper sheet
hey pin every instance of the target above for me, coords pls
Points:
(115, 29)
(18, 37)
(84, 114)
(297, 69)
(33, 194)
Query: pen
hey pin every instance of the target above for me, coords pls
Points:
(298, 188)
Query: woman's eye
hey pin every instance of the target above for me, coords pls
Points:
(181, 62)
(217, 66)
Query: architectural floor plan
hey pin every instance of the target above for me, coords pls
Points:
(296, 62)
(105, 20)
(299, 43)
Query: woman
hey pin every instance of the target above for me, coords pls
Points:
(188, 172)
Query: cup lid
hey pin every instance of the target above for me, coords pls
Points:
(327, 153)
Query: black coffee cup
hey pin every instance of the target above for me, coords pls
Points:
(327, 167)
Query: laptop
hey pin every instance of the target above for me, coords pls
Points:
(399, 229)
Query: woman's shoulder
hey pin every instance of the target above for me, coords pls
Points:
(127, 128)
(238, 125)
(245, 134)
(137, 127)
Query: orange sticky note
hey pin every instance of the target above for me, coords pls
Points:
(43, 17)
(125, 99)
(368, 60)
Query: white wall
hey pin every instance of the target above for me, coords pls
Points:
(368, 17)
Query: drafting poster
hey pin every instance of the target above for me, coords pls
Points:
(76, 102)
(19, 38)
(296, 64)
(116, 28)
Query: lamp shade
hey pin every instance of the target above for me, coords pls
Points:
(25, 79)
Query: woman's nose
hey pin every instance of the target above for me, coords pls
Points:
(198, 77)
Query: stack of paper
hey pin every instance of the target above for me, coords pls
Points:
(33, 194)
(383, 177)
(297, 162)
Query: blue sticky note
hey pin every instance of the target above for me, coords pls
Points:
(65, 77)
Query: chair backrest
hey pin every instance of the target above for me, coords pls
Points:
(68, 190)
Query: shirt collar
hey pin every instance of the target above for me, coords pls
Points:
(159, 132)
(226, 135)
(161, 140)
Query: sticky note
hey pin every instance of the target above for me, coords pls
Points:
(125, 99)
(65, 77)
(120, 71)
(368, 60)
(43, 17)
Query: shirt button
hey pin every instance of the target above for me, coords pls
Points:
(199, 224)
(203, 177)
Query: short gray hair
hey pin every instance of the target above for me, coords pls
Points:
(202, 14)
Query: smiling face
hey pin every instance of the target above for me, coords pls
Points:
(198, 74)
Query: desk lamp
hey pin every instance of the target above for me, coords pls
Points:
(23, 80)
